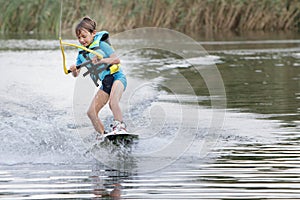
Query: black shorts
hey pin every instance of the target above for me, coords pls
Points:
(107, 83)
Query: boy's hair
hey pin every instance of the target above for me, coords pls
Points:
(86, 23)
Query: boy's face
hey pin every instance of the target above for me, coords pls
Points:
(85, 37)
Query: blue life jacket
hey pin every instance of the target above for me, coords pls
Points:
(97, 72)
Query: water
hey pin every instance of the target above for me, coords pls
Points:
(48, 149)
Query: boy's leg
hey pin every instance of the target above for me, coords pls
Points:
(97, 104)
(114, 99)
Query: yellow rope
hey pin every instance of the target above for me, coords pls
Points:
(77, 46)
(63, 55)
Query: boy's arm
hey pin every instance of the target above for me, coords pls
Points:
(75, 71)
(112, 59)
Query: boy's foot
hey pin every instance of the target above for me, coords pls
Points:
(118, 126)
(99, 136)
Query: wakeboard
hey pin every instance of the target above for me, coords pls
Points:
(120, 136)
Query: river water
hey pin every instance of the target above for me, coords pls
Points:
(217, 119)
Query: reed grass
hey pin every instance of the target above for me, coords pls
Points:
(188, 16)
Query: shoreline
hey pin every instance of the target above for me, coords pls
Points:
(185, 16)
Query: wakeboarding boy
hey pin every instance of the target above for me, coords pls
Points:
(112, 77)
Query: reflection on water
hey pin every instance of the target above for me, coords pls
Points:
(65, 182)
(265, 82)
(257, 154)
(242, 170)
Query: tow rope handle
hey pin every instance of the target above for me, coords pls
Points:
(77, 46)
(112, 68)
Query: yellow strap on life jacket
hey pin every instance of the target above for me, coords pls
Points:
(95, 43)
(114, 68)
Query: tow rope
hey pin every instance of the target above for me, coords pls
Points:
(77, 46)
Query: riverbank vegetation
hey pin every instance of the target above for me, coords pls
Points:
(189, 16)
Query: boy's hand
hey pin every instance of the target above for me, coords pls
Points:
(95, 60)
(74, 70)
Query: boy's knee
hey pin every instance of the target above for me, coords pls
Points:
(112, 104)
(91, 114)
